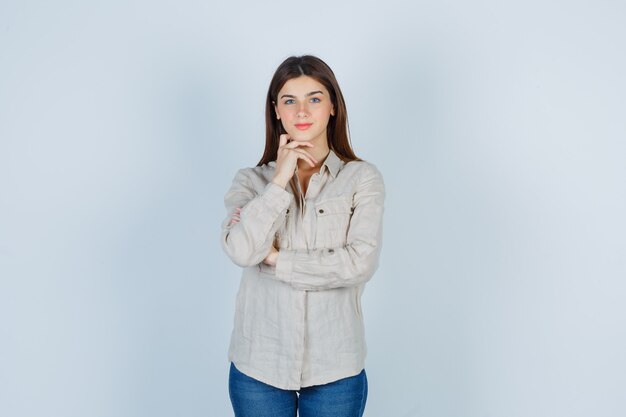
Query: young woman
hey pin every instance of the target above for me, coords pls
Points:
(306, 226)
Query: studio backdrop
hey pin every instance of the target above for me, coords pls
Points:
(498, 127)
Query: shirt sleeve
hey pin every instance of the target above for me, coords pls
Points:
(352, 264)
(248, 241)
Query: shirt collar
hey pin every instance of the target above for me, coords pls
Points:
(332, 162)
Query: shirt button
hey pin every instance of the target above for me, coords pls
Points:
(321, 210)
(331, 251)
(287, 210)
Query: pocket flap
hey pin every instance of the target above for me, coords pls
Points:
(335, 205)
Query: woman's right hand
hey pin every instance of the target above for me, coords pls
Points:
(287, 158)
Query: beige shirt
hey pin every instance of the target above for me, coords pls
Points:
(300, 323)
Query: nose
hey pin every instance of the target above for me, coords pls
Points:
(303, 110)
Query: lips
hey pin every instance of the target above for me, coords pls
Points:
(303, 126)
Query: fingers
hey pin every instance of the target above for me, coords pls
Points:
(282, 142)
(297, 147)
(294, 144)
(302, 154)
(236, 216)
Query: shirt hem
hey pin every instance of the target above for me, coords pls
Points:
(320, 380)
(331, 377)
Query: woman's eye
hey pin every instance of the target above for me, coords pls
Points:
(314, 98)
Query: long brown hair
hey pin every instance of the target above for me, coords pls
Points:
(337, 131)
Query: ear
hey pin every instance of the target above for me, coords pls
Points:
(332, 110)
(276, 110)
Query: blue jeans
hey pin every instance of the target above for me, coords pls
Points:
(252, 398)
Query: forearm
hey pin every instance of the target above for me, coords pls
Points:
(248, 241)
(324, 269)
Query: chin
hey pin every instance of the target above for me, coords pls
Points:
(300, 137)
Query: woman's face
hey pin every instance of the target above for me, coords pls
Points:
(303, 101)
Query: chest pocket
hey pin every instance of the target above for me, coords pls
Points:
(333, 220)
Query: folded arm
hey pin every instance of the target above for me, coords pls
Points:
(248, 241)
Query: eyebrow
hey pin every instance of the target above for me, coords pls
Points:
(308, 94)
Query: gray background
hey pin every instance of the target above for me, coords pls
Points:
(499, 128)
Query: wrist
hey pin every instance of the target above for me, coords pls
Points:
(280, 181)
